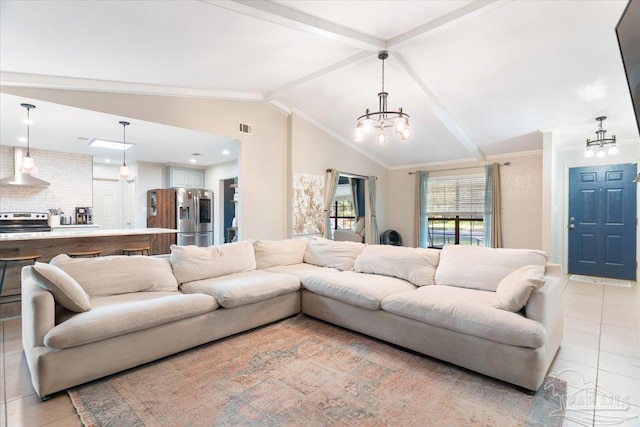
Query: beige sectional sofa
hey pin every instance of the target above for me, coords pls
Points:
(87, 318)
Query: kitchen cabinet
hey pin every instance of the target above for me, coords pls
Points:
(185, 177)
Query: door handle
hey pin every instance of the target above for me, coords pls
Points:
(572, 226)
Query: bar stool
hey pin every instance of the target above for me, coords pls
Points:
(7, 259)
(142, 249)
(87, 253)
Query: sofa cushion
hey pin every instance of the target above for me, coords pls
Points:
(478, 267)
(327, 253)
(245, 288)
(416, 265)
(304, 271)
(118, 319)
(514, 290)
(358, 289)
(195, 263)
(468, 311)
(271, 253)
(65, 290)
(118, 274)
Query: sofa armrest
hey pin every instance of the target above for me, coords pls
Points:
(545, 304)
(38, 310)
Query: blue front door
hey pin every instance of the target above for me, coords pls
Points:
(602, 221)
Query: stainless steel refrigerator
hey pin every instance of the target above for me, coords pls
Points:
(194, 216)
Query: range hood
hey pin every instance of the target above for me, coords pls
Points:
(21, 179)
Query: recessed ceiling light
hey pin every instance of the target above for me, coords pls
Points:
(22, 139)
(192, 160)
(107, 160)
(112, 145)
(225, 152)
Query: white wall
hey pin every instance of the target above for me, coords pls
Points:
(262, 160)
(213, 176)
(148, 176)
(574, 157)
(521, 184)
(313, 151)
(71, 185)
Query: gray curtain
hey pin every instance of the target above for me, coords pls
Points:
(492, 207)
(371, 224)
(421, 221)
(330, 184)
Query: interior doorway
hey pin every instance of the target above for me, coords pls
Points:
(230, 201)
(602, 221)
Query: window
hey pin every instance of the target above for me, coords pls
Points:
(342, 215)
(454, 210)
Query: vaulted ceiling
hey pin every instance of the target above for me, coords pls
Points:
(478, 78)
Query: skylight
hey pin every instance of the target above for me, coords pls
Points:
(112, 145)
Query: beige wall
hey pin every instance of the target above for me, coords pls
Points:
(313, 151)
(521, 199)
(262, 155)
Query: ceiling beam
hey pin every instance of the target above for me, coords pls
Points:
(282, 15)
(440, 111)
(317, 74)
(445, 22)
(73, 83)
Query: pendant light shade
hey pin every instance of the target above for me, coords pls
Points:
(124, 169)
(28, 164)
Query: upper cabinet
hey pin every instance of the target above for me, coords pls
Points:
(185, 177)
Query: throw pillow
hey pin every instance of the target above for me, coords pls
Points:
(65, 290)
(327, 253)
(514, 290)
(359, 228)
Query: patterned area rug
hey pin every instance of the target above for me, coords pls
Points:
(305, 372)
(603, 280)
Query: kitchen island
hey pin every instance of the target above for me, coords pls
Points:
(50, 244)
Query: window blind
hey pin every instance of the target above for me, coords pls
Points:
(455, 195)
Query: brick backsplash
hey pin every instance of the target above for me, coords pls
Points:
(70, 176)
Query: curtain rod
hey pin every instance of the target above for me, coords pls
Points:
(350, 175)
(457, 169)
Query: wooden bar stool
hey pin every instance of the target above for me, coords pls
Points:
(142, 249)
(87, 253)
(7, 259)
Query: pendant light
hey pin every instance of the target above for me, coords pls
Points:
(28, 164)
(597, 147)
(124, 169)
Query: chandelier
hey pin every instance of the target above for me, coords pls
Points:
(596, 147)
(380, 120)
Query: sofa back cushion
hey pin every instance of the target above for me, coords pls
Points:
(270, 253)
(118, 274)
(195, 263)
(327, 253)
(478, 267)
(415, 265)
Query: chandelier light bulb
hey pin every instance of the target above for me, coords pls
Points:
(382, 137)
(406, 133)
(613, 150)
(400, 125)
(588, 153)
(367, 126)
(600, 154)
(358, 135)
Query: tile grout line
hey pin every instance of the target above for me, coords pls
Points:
(595, 404)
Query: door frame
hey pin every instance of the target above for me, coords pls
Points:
(563, 225)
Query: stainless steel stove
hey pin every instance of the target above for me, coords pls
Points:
(24, 222)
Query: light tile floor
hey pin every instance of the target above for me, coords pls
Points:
(600, 355)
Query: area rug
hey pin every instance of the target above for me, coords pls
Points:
(304, 372)
(602, 280)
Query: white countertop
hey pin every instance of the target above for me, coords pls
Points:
(79, 233)
(71, 226)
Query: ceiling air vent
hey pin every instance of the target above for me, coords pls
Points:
(245, 128)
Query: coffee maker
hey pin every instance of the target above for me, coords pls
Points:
(84, 215)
